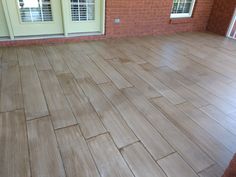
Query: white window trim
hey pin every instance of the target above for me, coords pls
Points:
(184, 15)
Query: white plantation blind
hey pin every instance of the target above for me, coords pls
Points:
(182, 8)
(35, 10)
(82, 10)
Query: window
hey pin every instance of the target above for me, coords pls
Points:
(82, 10)
(35, 10)
(182, 8)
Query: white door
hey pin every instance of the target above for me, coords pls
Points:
(3, 23)
(84, 16)
(35, 17)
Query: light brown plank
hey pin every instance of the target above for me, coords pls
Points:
(175, 166)
(213, 171)
(140, 84)
(224, 91)
(133, 49)
(25, 56)
(198, 135)
(40, 58)
(210, 125)
(175, 81)
(44, 154)
(160, 87)
(14, 156)
(103, 51)
(112, 120)
(56, 60)
(11, 93)
(75, 153)
(118, 52)
(224, 120)
(107, 157)
(9, 55)
(74, 66)
(96, 74)
(145, 132)
(190, 151)
(34, 101)
(118, 80)
(83, 46)
(213, 99)
(140, 161)
(85, 114)
(60, 111)
(166, 75)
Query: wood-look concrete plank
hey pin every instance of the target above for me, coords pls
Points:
(94, 71)
(175, 166)
(60, 111)
(213, 171)
(190, 151)
(14, 156)
(174, 81)
(224, 91)
(159, 86)
(140, 84)
(90, 123)
(145, 132)
(40, 58)
(140, 161)
(45, 157)
(11, 92)
(9, 55)
(213, 99)
(211, 126)
(34, 101)
(56, 60)
(107, 157)
(111, 118)
(224, 120)
(101, 50)
(25, 56)
(115, 76)
(75, 67)
(197, 134)
(75, 153)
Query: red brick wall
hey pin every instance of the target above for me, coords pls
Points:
(142, 17)
(221, 16)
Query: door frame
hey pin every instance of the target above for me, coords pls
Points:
(233, 21)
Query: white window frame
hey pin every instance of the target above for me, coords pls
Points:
(31, 19)
(183, 15)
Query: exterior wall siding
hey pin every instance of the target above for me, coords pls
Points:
(140, 17)
(221, 15)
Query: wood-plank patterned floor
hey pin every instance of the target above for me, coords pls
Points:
(136, 107)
